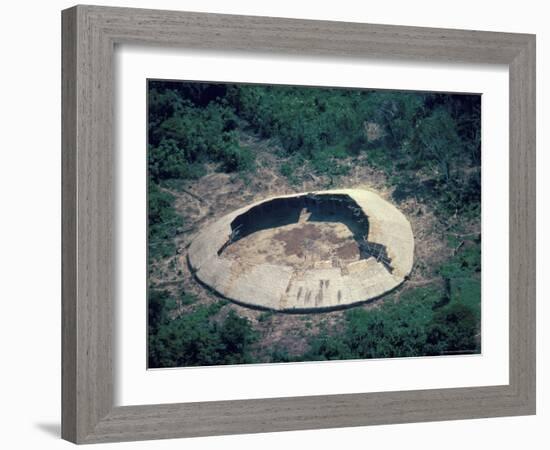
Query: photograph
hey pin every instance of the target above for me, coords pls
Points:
(297, 223)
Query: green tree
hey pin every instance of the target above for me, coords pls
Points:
(436, 141)
(163, 222)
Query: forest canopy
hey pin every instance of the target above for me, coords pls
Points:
(317, 128)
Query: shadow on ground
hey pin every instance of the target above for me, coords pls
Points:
(53, 429)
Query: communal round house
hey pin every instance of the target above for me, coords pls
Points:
(306, 252)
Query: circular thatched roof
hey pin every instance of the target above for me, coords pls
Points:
(386, 257)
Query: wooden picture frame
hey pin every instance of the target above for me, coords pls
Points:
(89, 37)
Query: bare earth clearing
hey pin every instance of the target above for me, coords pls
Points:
(203, 201)
(298, 245)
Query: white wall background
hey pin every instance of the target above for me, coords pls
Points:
(30, 230)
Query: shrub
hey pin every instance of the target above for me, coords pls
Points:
(163, 222)
(196, 338)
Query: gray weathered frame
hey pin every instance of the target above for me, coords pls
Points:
(89, 36)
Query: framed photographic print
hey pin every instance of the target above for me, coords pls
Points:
(278, 224)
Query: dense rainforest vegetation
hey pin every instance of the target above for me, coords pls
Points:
(427, 144)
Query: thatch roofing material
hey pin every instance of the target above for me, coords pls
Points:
(279, 287)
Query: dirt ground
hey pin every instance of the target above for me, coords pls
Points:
(216, 194)
(298, 245)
